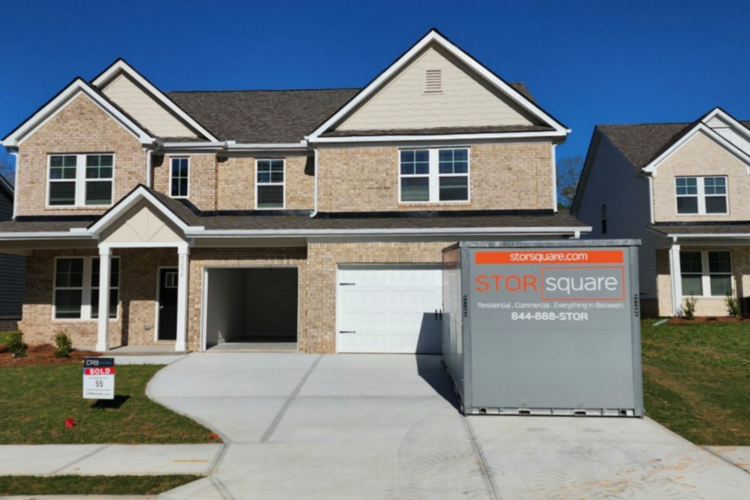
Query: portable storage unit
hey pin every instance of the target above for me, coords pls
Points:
(543, 327)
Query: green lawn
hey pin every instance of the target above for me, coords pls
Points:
(36, 400)
(91, 485)
(697, 380)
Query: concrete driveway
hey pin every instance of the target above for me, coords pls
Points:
(386, 427)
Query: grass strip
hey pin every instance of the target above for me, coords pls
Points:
(91, 485)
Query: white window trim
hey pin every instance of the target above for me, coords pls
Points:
(171, 177)
(258, 184)
(701, 195)
(86, 295)
(706, 274)
(80, 182)
(434, 176)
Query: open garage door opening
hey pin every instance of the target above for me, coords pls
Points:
(251, 309)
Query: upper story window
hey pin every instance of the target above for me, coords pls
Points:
(433, 175)
(80, 180)
(269, 185)
(179, 177)
(701, 195)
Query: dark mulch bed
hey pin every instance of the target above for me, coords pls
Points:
(42, 355)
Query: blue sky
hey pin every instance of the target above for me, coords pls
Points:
(586, 62)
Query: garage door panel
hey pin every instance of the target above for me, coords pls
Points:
(389, 309)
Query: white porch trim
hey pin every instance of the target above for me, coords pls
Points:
(183, 271)
(105, 259)
(675, 275)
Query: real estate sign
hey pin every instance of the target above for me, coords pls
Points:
(99, 378)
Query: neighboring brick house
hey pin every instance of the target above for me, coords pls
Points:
(11, 268)
(684, 190)
(308, 216)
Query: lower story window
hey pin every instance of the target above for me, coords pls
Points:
(706, 273)
(76, 292)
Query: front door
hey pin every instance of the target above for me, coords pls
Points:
(168, 304)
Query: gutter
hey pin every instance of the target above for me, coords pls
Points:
(255, 233)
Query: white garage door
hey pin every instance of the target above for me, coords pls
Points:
(389, 309)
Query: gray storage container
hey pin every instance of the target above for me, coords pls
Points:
(544, 327)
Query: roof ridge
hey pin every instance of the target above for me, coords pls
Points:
(278, 90)
(259, 90)
(640, 124)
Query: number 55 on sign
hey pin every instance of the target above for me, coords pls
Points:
(99, 378)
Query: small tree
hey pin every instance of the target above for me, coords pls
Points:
(733, 305)
(688, 312)
(64, 345)
(568, 174)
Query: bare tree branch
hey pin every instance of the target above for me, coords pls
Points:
(7, 169)
(568, 173)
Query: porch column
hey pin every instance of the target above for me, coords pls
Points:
(182, 297)
(105, 257)
(675, 274)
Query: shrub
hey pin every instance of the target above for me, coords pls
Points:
(64, 345)
(688, 311)
(15, 344)
(733, 305)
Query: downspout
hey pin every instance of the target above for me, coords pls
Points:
(315, 196)
(149, 152)
(15, 184)
(554, 178)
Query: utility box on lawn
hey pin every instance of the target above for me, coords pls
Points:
(544, 327)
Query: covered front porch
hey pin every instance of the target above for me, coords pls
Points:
(706, 265)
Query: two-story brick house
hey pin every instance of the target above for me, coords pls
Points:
(684, 190)
(309, 216)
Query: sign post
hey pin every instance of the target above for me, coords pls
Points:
(99, 378)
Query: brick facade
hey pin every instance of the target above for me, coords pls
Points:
(137, 309)
(201, 180)
(237, 176)
(503, 176)
(317, 265)
(81, 127)
(701, 156)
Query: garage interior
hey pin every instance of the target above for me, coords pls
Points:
(251, 309)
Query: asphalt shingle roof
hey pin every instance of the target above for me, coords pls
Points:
(304, 222)
(270, 116)
(643, 143)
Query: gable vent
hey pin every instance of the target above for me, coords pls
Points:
(433, 81)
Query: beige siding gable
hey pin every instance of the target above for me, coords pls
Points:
(143, 224)
(409, 100)
(127, 94)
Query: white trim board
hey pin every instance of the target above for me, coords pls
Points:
(61, 101)
(435, 37)
(121, 66)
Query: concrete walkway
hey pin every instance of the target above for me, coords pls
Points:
(108, 460)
